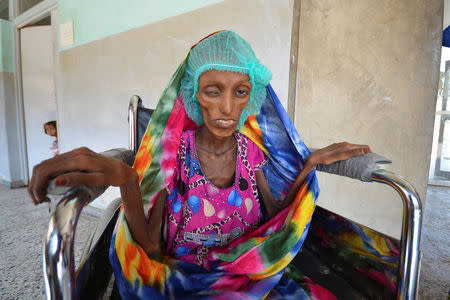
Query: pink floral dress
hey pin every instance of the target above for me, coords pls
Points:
(201, 217)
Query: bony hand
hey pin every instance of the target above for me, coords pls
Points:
(336, 152)
(79, 167)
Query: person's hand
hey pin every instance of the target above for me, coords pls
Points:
(79, 167)
(336, 152)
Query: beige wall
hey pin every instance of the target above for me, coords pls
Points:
(446, 21)
(368, 73)
(96, 80)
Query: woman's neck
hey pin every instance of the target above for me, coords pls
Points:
(208, 142)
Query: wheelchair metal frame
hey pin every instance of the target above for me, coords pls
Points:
(58, 258)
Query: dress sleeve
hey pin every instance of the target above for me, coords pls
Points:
(259, 158)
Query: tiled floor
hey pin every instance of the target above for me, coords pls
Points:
(23, 226)
(22, 230)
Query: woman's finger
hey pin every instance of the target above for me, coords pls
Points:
(43, 173)
(73, 162)
(356, 150)
(341, 151)
(351, 151)
(348, 146)
(60, 158)
(45, 168)
(78, 167)
(83, 178)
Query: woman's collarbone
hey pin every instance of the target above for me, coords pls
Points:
(219, 170)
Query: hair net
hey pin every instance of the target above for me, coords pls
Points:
(224, 51)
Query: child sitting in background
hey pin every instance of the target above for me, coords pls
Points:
(50, 129)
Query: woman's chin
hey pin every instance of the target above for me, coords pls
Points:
(224, 132)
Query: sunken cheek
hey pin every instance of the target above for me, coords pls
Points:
(211, 106)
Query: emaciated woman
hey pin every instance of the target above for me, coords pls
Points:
(214, 228)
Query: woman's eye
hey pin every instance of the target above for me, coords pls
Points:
(241, 93)
(212, 92)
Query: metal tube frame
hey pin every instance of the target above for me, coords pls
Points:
(58, 257)
(135, 102)
(409, 267)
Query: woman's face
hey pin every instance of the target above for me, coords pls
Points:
(222, 97)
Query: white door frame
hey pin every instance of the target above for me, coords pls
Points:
(19, 21)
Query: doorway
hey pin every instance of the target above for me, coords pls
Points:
(26, 15)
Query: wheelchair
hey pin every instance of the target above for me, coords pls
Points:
(329, 256)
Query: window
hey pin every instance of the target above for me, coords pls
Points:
(440, 157)
(25, 5)
(4, 9)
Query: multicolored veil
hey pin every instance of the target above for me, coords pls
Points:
(251, 266)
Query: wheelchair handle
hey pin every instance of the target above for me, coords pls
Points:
(135, 102)
(58, 257)
(408, 271)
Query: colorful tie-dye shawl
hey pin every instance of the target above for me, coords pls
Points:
(252, 266)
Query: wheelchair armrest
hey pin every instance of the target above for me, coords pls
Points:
(359, 167)
(371, 167)
(122, 154)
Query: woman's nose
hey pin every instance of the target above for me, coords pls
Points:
(226, 105)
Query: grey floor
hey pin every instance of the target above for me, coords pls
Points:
(435, 245)
(23, 227)
(22, 230)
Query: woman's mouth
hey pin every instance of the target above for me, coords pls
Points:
(225, 123)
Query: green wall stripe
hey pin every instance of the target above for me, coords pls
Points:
(93, 20)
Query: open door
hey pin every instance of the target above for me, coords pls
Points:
(38, 91)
